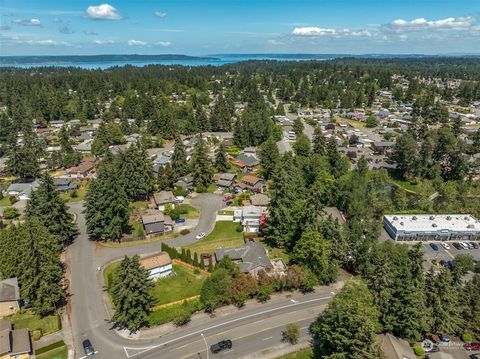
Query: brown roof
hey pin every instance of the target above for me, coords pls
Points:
(85, 166)
(164, 197)
(251, 179)
(259, 199)
(155, 260)
(153, 216)
(395, 348)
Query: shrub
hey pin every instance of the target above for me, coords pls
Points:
(11, 213)
(36, 334)
(73, 193)
(13, 199)
(184, 231)
(263, 293)
(239, 228)
(418, 350)
(467, 337)
(182, 317)
(291, 334)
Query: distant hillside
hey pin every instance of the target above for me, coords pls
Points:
(12, 60)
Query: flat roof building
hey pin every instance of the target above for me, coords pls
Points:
(432, 227)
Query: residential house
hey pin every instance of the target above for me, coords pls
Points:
(162, 198)
(22, 190)
(116, 149)
(14, 343)
(247, 163)
(158, 265)
(185, 182)
(9, 297)
(259, 200)
(251, 258)
(250, 151)
(155, 223)
(84, 147)
(395, 348)
(83, 170)
(251, 218)
(63, 184)
(250, 183)
(225, 180)
(383, 147)
(56, 124)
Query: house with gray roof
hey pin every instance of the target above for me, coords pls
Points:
(251, 258)
(156, 223)
(395, 348)
(9, 296)
(64, 184)
(14, 343)
(185, 182)
(163, 198)
(22, 190)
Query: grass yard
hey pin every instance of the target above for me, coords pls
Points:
(223, 235)
(301, 354)
(27, 319)
(81, 193)
(168, 314)
(5, 202)
(399, 181)
(352, 123)
(184, 284)
(225, 212)
(278, 253)
(191, 212)
(59, 353)
(212, 187)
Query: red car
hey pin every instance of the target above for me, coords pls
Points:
(472, 346)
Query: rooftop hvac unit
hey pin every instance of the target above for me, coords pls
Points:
(434, 225)
(431, 218)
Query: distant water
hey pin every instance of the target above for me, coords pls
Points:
(216, 60)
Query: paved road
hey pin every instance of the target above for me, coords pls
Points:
(247, 327)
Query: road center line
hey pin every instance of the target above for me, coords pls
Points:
(267, 338)
(144, 350)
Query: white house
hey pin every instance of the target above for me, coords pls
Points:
(158, 265)
(249, 217)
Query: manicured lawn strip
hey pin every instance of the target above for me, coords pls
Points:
(301, 354)
(108, 274)
(184, 284)
(59, 353)
(49, 347)
(223, 235)
(138, 242)
(168, 314)
(27, 319)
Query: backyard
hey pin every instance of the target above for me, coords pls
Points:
(27, 319)
(57, 350)
(223, 235)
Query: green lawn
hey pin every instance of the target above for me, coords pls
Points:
(279, 253)
(212, 187)
(27, 319)
(192, 212)
(223, 235)
(168, 314)
(58, 353)
(5, 202)
(302, 354)
(184, 284)
(225, 212)
(81, 193)
(399, 181)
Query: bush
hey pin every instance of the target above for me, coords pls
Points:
(184, 232)
(467, 337)
(291, 334)
(418, 350)
(239, 228)
(11, 213)
(73, 193)
(37, 334)
(13, 199)
(263, 293)
(182, 317)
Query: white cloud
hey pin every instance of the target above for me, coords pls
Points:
(27, 22)
(136, 43)
(160, 13)
(164, 43)
(313, 31)
(103, 42)
(419, 24)
(103, 12)
(47, 42)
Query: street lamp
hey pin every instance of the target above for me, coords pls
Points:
(206, 345)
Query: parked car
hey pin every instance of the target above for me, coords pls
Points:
(228, 203)
(472, 346)
(88, 348)
(474, 356)
(445, 245)
(434, 246)
(205, 255)
(222, 345)
(180, 199)
(464, 245)
(200, 236)
(475, 245)
(470, 245)
(180, 220)
(457, 245)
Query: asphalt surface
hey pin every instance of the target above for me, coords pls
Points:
(90, 314)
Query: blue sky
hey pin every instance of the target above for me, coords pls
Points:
(48, 27)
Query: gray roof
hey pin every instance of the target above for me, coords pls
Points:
(25, 188)
(161, 160)
(395, 348)
(9, 290)
(248, 160)
(259, 199)
(224, 183)
(153, 216)
(21, 343)
(228, 176)
(251, 256)
(164, 197)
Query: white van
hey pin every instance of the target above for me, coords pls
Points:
(464, 245)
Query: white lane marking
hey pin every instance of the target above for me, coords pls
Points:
(293, 301)
(267, 338)
(86, 356)
(146, 349)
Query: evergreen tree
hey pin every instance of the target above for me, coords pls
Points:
(135, 172)
(349, 325)
(166, 178)
(50, 209)
(131, 294)
(221, 162)
(269, 157)
(201, 166)
(302, 147)
(179, 159)
(39, 268)
(214, 292)
(106, 204)
(319, 142)
(24, 157)
(298, 126)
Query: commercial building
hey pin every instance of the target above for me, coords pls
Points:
(432, 227)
